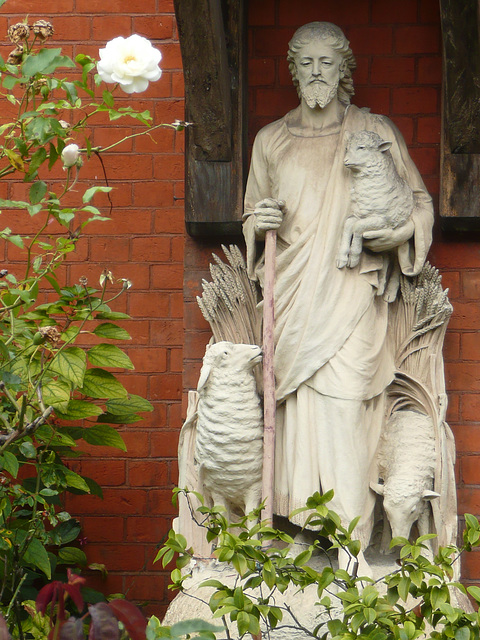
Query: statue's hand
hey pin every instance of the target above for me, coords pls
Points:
(386, 239)
(268, 215)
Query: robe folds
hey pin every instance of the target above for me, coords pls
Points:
(330, 324)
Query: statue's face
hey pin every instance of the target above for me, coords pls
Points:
(319, 69)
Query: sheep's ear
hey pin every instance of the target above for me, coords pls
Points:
(430, 495)
(384, 146)
(204, 375)
(377, 487)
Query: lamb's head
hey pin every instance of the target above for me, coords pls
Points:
(228, 358)
(362, 149)
(403, 505)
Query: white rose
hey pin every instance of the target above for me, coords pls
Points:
(70, 155)
(132, 62)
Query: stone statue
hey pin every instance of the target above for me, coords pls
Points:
(332, 364)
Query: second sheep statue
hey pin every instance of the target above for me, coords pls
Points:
(229, 435)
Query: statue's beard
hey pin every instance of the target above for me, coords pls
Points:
(318, 93)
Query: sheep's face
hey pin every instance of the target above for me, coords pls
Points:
(230, 357)
(362, 148)
(404, 511)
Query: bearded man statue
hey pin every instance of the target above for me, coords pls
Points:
(332, 362)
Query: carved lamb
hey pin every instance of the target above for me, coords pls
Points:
(407, 462)
(380, 198)
(229, 440)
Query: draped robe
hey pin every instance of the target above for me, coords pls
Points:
(332, 364)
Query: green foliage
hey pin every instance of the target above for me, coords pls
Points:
(55, 392)
(415, 601)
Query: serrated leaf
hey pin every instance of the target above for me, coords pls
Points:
(104, 435)
(10, 463)
(56, 393)
(79, 409)
(37, 191)
(111, 331)
(75, 481)
(132, 404)
(109, 355)
(98, 383)
(72, 555)
(70, 363)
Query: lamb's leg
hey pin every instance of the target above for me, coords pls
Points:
(373, 222)
(393, 284)
(343, 251)
(423, 524)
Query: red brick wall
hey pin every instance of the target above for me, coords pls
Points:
(144, 243)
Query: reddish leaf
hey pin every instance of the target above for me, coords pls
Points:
(47, 594)
(131, 616)
(74, 592)
(4, 635)
(72, 630)
(104, 624)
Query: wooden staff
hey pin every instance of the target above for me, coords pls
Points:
(269, 401)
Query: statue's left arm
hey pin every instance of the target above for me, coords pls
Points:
(411, 240)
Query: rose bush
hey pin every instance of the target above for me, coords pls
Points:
(131, 62)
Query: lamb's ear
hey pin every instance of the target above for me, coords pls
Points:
(204, 375)
(377, 487)
(430, 495)
(384, 146)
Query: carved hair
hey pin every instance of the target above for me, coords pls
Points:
(337, 40)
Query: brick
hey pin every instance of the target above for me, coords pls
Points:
(109, 250)
(275, 44)
(451, 350)
(427, 159)
(111, 473)
(195, 343)
(176, 305)
(471, 565)
(455, 255)
(168, 276)
(465, 316)
(153, 194)
(462, 376)
(393, 71)
(167, 332)
(120, 166)
(165, 444)
(417, 39)
(195, 316)
(147, 473)
(123, 222)
(394, 12)
(430, 70)
(169, 167)
(371, 40)
(112, 6)
(362, 72)
(171, 56)
(153, 359)
(342, 13)
(166, 386)
(145, 587)
(429, 11)
(469, 501)
(160, 27)
(428, 130)
(191, 374)
(104, 28)
(115, 501)
(137, 443)
(160, 501)
(467, 437)
(471, 346)
(148, 305)
(261, 71)
(378, 99)
(169, 220)
(420, 100)
(199, 256)
(175, 415)
(471, 284)
(31, 7)
(176, 360)
(159, 141)
(153, 249)
(406, 126)
(453, 409)
(178, 85)
(104, 137)
(119, 557)
(102, 528)
(148, 529)
(471, 413)
(261, 13)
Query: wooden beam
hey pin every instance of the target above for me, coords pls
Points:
(213, 44)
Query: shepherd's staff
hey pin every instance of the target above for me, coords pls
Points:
(269, 402)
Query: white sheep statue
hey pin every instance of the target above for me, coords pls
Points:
(407, 463)
(380, 198)
(229, 433)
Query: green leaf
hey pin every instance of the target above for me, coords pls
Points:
(79, 409)
(104, 435)
(474, 592)
(111, 331)
(125, 418)
(9, 463)
(56, 393)
(28, 450)
(75, 481)
(243, 622)
(463, 633)
(132, 404)
(112, 315)
(37, 555)
(194, 625)
(70, 363)
(109, 355)
(45, 61)
(89, 193)
(37, 191)
(68, 530)
(72, 555)
(98, 383)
